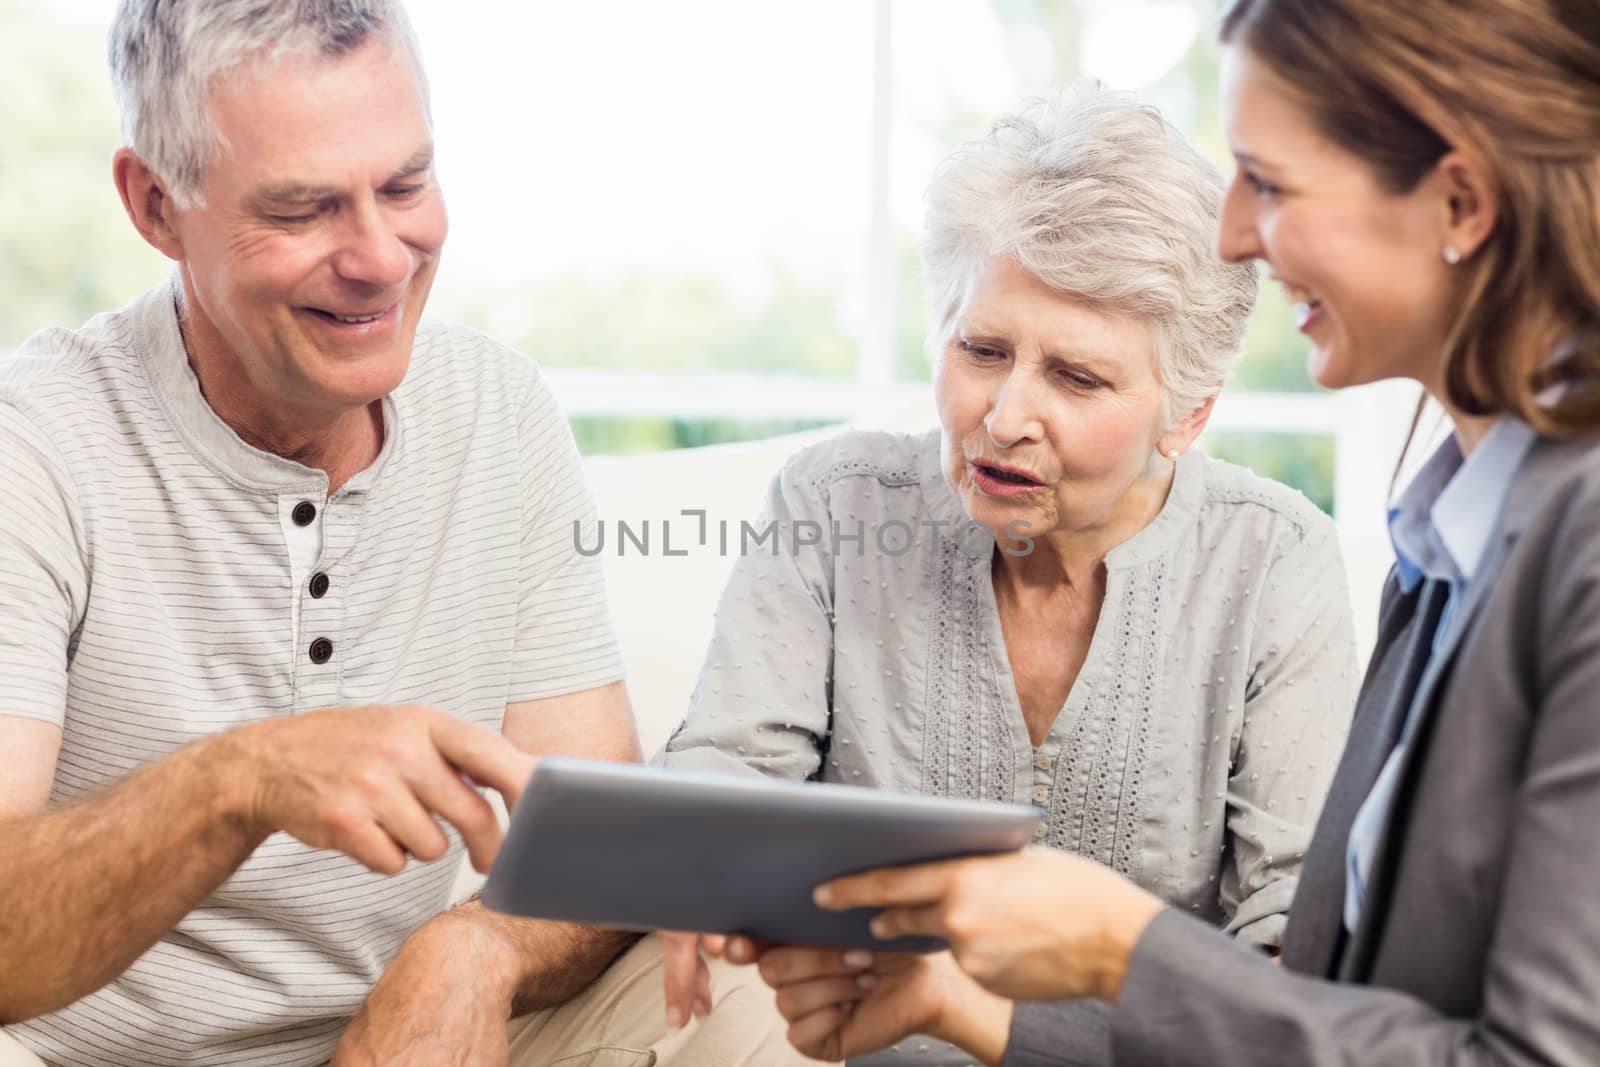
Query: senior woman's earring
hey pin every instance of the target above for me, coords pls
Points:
(1452, 255)
(1173, 454)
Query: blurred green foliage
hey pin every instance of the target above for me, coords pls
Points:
(1304, 461)
(632, 435)
(66, 249)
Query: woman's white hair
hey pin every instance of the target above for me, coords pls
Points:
(1105, 202)
(167, 55)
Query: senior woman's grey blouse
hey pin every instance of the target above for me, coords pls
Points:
(1195, 747)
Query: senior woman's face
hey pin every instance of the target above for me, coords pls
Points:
(1050, 409)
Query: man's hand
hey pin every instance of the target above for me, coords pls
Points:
(842, 1004)
(370, 781)
(446, 999)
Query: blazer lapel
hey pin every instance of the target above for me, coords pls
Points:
(1543, 467)
(1374, 905)
(1314, 936)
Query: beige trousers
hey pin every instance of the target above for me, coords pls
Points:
(620, 1021)
(14, 1055)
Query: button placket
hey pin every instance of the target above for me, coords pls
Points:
(322, 649)
(1043, 767)
(320, 655)
(320, 618)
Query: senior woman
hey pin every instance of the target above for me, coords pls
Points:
(1425, 180)
(1052, 599)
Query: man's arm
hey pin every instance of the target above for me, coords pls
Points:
(89, 887)
(78, 882)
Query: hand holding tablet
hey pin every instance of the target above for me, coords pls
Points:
(646, 848)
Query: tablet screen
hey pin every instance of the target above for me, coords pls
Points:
(635, 847)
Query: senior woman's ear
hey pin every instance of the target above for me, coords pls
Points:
(1182, 434)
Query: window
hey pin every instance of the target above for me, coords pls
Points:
(700, 217)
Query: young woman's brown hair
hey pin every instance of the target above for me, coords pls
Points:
(1514, 84)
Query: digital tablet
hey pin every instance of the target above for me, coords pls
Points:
(647, 848)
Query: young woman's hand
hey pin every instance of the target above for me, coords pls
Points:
(1033, 925)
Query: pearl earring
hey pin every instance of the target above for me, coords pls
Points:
(1172, 454)
(1452, 255)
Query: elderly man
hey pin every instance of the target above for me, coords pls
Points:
(284, 573)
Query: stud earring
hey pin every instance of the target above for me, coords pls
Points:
(1173, 454)
(1452, 255)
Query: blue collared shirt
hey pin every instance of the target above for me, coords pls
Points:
(1440, 530)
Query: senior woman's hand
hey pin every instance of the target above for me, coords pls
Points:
(1033, 925)
(842, 1004)
(685, 976)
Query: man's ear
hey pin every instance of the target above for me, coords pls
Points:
(1183, 433)
(145, 200)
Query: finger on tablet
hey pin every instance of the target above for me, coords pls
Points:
(922, 884)
(905, 922)
(741, 950)
(485, 757)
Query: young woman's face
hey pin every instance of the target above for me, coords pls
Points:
(1363, 266)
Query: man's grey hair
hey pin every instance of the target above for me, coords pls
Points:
(167, 56)
(1107, 203)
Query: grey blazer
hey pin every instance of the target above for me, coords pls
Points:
(1479, 939)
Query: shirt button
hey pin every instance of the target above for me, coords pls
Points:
(304, 513)
(1041, 793)
(1044, 761)
(1039, 832)
(321, 650)
(319, 586)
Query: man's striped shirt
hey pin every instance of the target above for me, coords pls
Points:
(161, 580)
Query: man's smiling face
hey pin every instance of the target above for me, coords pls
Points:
(312, 256)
